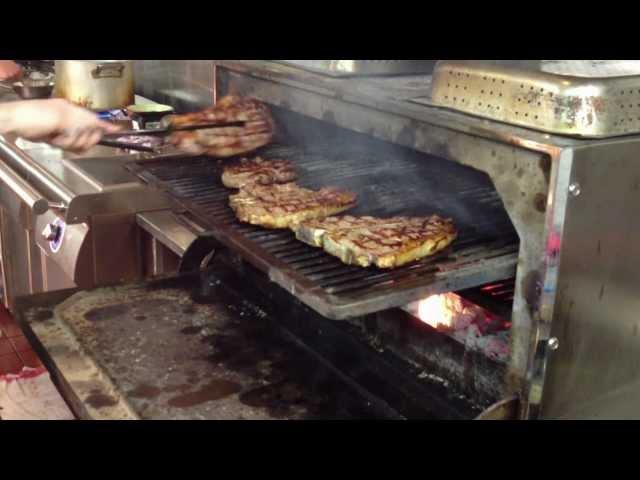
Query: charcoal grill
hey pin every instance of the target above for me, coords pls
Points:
(570, 305)
(485, 251)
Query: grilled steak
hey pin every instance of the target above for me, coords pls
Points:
(280, 206)
(258, 170)
(257, 131)
(383, 242)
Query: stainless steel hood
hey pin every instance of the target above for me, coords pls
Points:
(342, 68)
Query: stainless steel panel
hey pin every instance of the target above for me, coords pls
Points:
(75, 254)
(186, 85)
(340, 68)
(41, 179)
(84, 186)
(54, 277)
(15, 257)
(102, 172)
(33, 199)
(116, 243)
(165, 226)
(127, 199)
(595, 370)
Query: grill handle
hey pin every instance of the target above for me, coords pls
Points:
(36, 202)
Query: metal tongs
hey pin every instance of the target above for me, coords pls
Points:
(110, 139)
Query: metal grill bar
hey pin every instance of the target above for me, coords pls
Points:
(406, 184)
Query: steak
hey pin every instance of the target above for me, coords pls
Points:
(383, 242)
(257, 131)
(283, 205)
(258, 170)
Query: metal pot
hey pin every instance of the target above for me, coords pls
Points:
(95, 84)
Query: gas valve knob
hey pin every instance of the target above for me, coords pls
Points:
(51, 232)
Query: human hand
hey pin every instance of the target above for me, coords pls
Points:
(9, 70)
(54, 121)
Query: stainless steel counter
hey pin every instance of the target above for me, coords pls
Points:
(86, 202)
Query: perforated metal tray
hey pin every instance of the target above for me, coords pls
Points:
(587, 98)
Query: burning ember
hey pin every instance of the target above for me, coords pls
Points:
(470, 324)
(447, 312)
(444, 312)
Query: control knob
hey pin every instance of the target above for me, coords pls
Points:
(51, 232)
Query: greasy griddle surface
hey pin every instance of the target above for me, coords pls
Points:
(171, 357)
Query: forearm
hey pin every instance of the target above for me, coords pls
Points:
(33, 119)
(8, 117)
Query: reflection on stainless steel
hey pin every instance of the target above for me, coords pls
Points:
(20, 187)
(340, 68)
(43, 180)
(165, 226)
(571, 97)
(596, 306)
(101, 172)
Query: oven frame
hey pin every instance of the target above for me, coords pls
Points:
(538, 176)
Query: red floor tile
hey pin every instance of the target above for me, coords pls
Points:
(5, 316)
(15, 350)
(5, 346)
(5, 319)
(8, 324)
(20, 343)
(10, 364)
(11, 330)
(30, 358)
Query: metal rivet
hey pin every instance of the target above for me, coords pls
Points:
(574, 189)
(553, 343)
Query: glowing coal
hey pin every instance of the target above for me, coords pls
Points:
(468, 323)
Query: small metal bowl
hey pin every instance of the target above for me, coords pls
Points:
(148, 112)
(34, 90)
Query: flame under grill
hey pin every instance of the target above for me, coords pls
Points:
(407, 184)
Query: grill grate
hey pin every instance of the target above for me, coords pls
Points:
(496, 297)
(407, 184)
